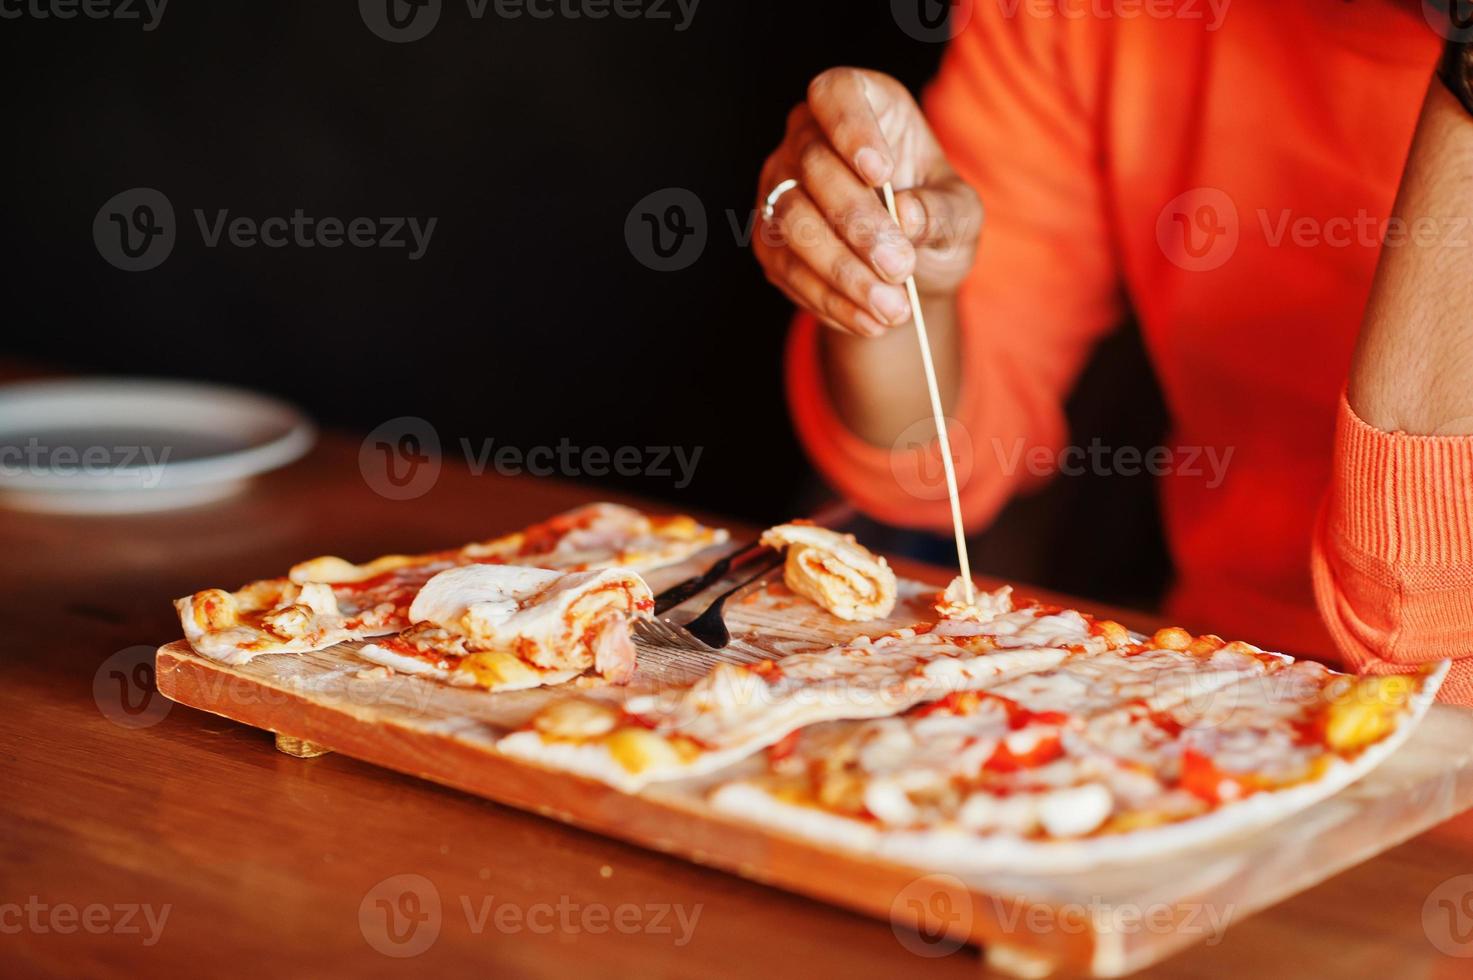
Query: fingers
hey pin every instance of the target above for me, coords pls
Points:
(843, 103)
(807, 244)
(852, 208)
(808, 291)
(831, 245)
(941, 215)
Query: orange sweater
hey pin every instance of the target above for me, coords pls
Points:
(1231, 185)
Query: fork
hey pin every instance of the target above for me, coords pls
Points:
(707, 633)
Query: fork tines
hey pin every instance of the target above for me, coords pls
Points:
(665, 641)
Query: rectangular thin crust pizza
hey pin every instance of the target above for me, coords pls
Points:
(1001, 735)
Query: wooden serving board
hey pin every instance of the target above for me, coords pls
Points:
(1105, 922)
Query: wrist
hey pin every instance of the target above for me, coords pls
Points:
(932, 296)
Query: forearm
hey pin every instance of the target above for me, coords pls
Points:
(1413, 365)
(878, 385)
(1393, 554)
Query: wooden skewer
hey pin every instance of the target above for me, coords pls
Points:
(935, 390)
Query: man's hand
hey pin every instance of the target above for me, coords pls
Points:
(831, 245)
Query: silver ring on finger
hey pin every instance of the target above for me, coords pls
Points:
(769, 204)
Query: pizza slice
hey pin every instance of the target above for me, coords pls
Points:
(735, 711)
(329, 600)
(834, 571)
(1113, 756)
(1254, 752)
(1154, 673)
(858, 782)
(504, 627)
(1293, 727)
(911, 771)
(318, 604)
(600, 535)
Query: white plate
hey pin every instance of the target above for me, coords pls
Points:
(125, 445)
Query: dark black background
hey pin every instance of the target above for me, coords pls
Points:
(528, 319)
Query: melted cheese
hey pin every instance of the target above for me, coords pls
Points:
(547, 618)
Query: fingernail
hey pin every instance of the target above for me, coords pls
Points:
(872, 165)
(892, 260)
(890, 303)
(913, 213)
(869, 324)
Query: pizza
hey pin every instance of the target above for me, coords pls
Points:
(1105, 757)
(735, 711)
(506, 627)
(1004, 734)
(834, 570)
(329, 600)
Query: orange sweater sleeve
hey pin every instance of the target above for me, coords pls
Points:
(1393, 553)
(1014, 105)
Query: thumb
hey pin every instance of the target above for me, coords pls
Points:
(940, 215)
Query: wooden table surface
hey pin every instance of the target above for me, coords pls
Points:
(150, 837)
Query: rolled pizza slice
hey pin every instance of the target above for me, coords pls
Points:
(835, 571)
(505, 627)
